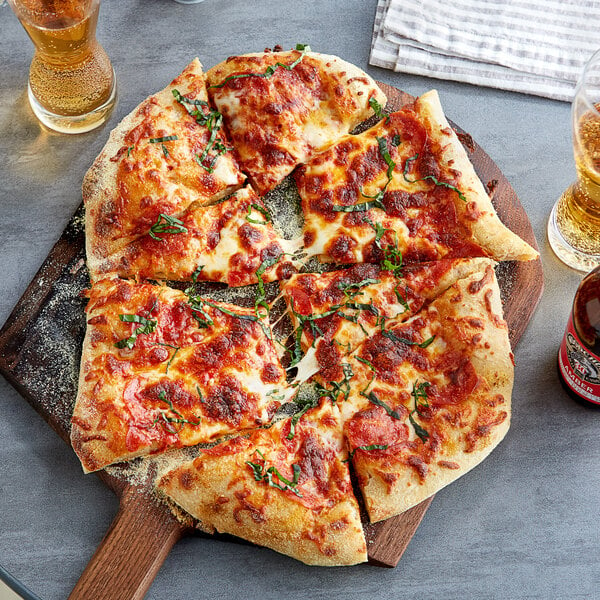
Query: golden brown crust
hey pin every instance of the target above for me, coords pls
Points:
(169, 375)
(226, 242)
(134, 180)
(500, 242)
(280, 121)
(405, 185)
(315, 520)
(448, 399)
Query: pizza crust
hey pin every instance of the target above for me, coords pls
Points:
(219, 489)
(132, 181)
(460, 308)
(467, 318)
(490, 232)
(279, 122)
(195, 376)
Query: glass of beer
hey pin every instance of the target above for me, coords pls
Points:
(574, 224)
(72, 85)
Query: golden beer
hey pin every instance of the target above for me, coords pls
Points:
(574, 224)
(578, 210)
(71, 79)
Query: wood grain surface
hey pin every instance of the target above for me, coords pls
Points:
(144, 530)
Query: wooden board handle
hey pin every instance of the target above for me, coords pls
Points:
(132, 551)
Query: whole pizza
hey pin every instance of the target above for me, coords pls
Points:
(358, 360)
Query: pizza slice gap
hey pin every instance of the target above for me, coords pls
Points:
(405, 187)
(233, 241)
(337, 310)
(286, 487)
(161, 369)
(281, 107)
(171, 151)
(428, 398)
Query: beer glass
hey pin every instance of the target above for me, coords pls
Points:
(72, 85)
(574, 224)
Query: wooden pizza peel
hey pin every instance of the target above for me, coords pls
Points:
(47, 327)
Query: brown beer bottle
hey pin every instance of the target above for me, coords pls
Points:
(579, 354)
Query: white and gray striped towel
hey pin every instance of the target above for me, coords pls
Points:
(533, 46)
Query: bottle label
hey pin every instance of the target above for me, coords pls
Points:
(579, 367)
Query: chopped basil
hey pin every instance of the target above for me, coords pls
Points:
(430, 178)
(270, 70)
(213, 120)
(166, 224)
(244, 317)
(196, 303)
(345, 287)
(401, 298)
(377, 199)
(160, 140)
(362, 306)
(362, 207)
(196, 273)
(419, 393)
(373, 373)
(200, 395)
(338, 387)
(261, 295)
(375, 400)
(392, 336)
(304, 406)
(392, 258)
(379, 231)
(129, 150)
(262, 210)
(167, 420)
(378, 109)
(366, 449)
(146, 327)
(268, 475)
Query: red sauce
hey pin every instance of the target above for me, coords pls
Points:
(228, 402)
(249, 236)
(341, 249)
(374, 426)
(312, 459)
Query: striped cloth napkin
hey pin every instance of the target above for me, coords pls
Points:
(533, 46)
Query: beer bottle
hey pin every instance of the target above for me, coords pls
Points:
(579, 354)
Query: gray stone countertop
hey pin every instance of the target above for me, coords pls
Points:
(524, 524)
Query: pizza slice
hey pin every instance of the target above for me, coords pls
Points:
(426, 399)
(337, 310)
(168, 153)
(161, 369)
(287, 488)
(402, 190)
(281, 107)
(233, 241)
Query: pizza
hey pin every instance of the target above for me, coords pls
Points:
(404, 187)
(286, 487)
(336, 310)
(232, 242)
(168, 154)
(280, 108)
(428, 398)
(388, 372)
(164, 369)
